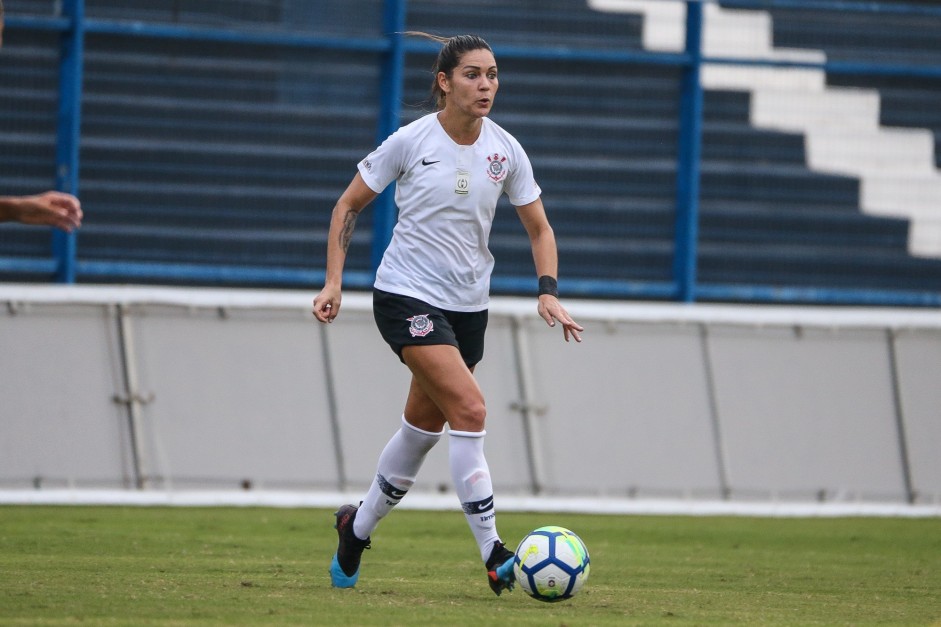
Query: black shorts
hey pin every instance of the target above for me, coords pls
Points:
(405, 321)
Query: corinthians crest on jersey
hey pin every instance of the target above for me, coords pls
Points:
(497, 167)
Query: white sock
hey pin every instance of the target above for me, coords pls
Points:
(398, 466)
(471, 477)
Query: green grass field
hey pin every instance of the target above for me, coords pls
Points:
(196, 566)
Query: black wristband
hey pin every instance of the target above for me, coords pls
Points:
(548, 285)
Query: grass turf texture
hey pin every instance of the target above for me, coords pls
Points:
(195, 566)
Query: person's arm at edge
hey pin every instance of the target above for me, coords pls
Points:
(51, 208)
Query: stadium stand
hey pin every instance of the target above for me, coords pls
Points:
(874, 251)
(901, 39)
(769, 214)
(218, 161)
(27, 132)
(219, 153)
(208, 152)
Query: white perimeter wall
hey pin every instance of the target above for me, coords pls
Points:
(183, 389)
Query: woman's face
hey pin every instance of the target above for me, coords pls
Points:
(472, 85)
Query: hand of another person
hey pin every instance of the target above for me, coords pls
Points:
(51, 208)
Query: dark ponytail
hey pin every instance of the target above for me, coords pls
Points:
(452, 49)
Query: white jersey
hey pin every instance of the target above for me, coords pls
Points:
(447, 196)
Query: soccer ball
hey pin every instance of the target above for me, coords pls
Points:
(551, 564)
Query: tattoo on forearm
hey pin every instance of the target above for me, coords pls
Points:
(346, 233)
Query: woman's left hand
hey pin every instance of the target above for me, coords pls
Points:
(551, 310)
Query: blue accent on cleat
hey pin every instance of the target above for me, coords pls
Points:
(505, 573)
(344, 568)
(500, 574)
(339, 578)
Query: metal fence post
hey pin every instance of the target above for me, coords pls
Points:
(333, 409)
(714, 417)
(687, 171)
(527, 408)
(132, 397)
(71, 59)
(911, 495)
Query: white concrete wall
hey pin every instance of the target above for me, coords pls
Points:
(692, 401)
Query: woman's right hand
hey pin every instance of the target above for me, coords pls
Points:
(327, 304)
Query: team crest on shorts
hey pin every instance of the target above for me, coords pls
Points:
(497, 168)
(420, 326)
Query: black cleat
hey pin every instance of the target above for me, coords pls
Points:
(500, 573)
(344, 569)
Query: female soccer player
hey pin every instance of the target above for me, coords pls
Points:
(432, 290)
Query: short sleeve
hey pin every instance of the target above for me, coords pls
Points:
(521, 187)
(384, 164)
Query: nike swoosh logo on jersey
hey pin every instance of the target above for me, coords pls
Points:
(426, 162)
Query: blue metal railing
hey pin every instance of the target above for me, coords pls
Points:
(72, 51)
(393, 46)
(837, 5)
(690, 150)
(393, 69)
